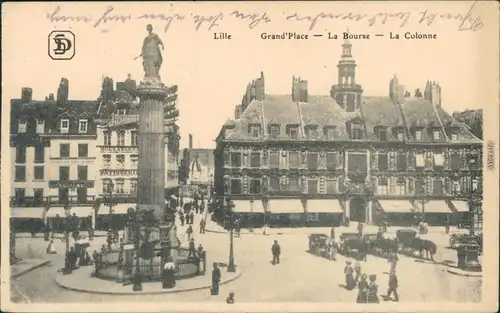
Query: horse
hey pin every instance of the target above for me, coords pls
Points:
(384, 246)
(424, 245)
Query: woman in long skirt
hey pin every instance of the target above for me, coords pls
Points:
(362, 289)
(168, 279)
(372, 290)
(349, 278)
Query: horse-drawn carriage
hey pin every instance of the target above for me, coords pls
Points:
(352, 244)
(318, 244)
(471, 260)
(409, 243)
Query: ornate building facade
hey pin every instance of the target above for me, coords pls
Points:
(302, 159)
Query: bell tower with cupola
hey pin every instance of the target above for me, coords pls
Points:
(346, 92)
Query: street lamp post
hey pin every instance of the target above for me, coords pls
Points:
(137, 278)
(231, 267)
(110, 204)
(67, 221)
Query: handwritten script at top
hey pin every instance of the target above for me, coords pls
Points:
(469, 20)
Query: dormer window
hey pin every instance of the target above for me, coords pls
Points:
(454, 136)
(274, 130)
(311, 131)
(64, 126)
(254, 130)
(293, 132)
(401, 135)
(357, 131)
(418, 135)
(82, 126)
(381, 133)
(329, 132)
(22, 126)
(436, 135)
(40, 126)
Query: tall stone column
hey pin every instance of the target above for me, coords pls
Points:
(151, 178)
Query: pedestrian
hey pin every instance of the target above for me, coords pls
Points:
(276, 250)
(393, 287)
(202, 226)
(51, 249)
(189, 232)
(357, 270)
(216, 276)
(332, 233)
(168, 274)
(237, 228)
(372, 296)
(447, 226)
(230, 298)
(191, 217)
(393, 260)
(202, 207)
(349, 278)
(192, 249)
(200, 251)
(181, 217)
(360, 229)
(461, 257)
(362, 289)
(91, 232)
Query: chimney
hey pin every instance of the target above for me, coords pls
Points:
(260, 87)
(303, 90)
(237, 111)
(62, 92)
(436, 95)
(190, 141)
(26, 94)
(418, 93)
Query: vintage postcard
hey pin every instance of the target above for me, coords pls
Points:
(250, 156)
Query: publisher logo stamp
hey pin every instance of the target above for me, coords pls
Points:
(61, 45)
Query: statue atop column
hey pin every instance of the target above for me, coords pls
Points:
(151, 54)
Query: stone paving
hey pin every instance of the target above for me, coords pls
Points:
(26, 265)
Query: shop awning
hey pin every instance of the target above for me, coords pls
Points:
(395, 206)
(285, 206)
(242, 206)
(120, 208)
(323, 206)
(36, 212)
(460, 206)
(80, 211)
(433, 206)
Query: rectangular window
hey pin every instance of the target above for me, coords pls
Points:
(107, 138)
(133, 186)
(454, 136)
(437, 187)
(38, 195)
(39, 172)
(293, 133)
(331, 161)
(40, 126)
(455, 186)
(455, 161)
(64, 150)
(331, 186)
(255, 159)
(39, 153)
(235, 186)
(419, 187)
(402, 162)
(63, 173)
(418, 135)
(311, 132)
(106, 185)
(274, 159)
(330, 133)
(106, 161)
(401, 187)
(82, 126)
(401, 136)
(255, 131)
(312, 186)
(120, 161)
(63, 195)
(274, 184)
(83, 150)
(82, 172)
(383, 162)
(357, 163)
(21, 154)
(22, 126)
(383, 187)
(293, 159)
(134, 160)
(312, 161)
(134, 138)
(274, 131)
(120, 184)
(419, 160)
(64, 126)
(255, 186)
(438, 160)
(20, 174)
(120, 138)
(356, 132)
(382, 135)
(20, 194)
(293, 184)
(436, 134)
(236, 159)
(81, 195)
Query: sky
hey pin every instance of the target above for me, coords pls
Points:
(212, 74)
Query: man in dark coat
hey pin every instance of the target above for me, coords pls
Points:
(276, 250)
(191, 217)
(216, 276)
(202, 226)
(332, 233)
(202, 207)
(181, 217)
(447, 226)
(461, 257)
(372, 296)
